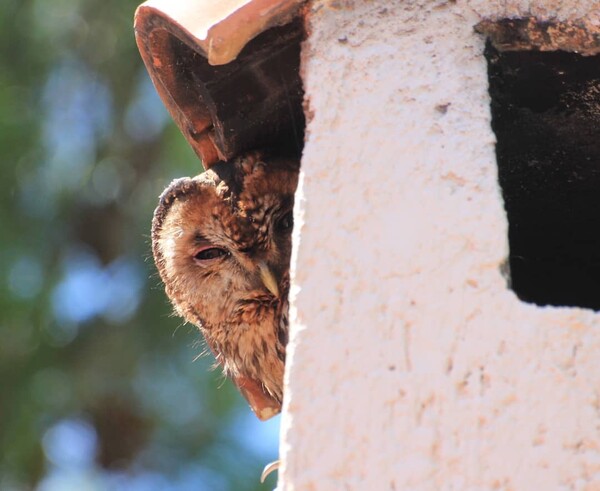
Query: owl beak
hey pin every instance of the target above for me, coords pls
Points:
(268, 278)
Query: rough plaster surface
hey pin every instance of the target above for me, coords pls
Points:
(412, 366)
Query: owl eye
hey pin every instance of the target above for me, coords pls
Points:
(209, 254)
(286, 222)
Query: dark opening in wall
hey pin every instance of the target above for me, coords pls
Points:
(546, 116)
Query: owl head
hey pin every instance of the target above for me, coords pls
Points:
(222, 245)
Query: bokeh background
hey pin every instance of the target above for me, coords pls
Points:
(100, 387)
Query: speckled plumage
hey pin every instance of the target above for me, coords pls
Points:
(222, 245)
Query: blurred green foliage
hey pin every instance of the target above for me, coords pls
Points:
(98, 384)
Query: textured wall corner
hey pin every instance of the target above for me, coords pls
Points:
(411, 364)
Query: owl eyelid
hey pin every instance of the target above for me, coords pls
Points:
(208, 254)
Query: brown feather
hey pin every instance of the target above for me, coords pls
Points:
(239, 212)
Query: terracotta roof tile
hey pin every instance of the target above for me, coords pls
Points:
(224, 98)
(221, 28)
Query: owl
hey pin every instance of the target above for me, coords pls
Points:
(222, 243)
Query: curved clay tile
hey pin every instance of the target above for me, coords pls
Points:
(227, 71)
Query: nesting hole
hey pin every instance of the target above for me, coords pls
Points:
(546, 116)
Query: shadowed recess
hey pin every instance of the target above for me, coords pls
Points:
(546, 116)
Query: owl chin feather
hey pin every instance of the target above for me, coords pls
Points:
(222, 245)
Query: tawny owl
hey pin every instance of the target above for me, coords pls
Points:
(222, 244)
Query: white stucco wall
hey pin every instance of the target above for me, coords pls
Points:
(412, 366)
